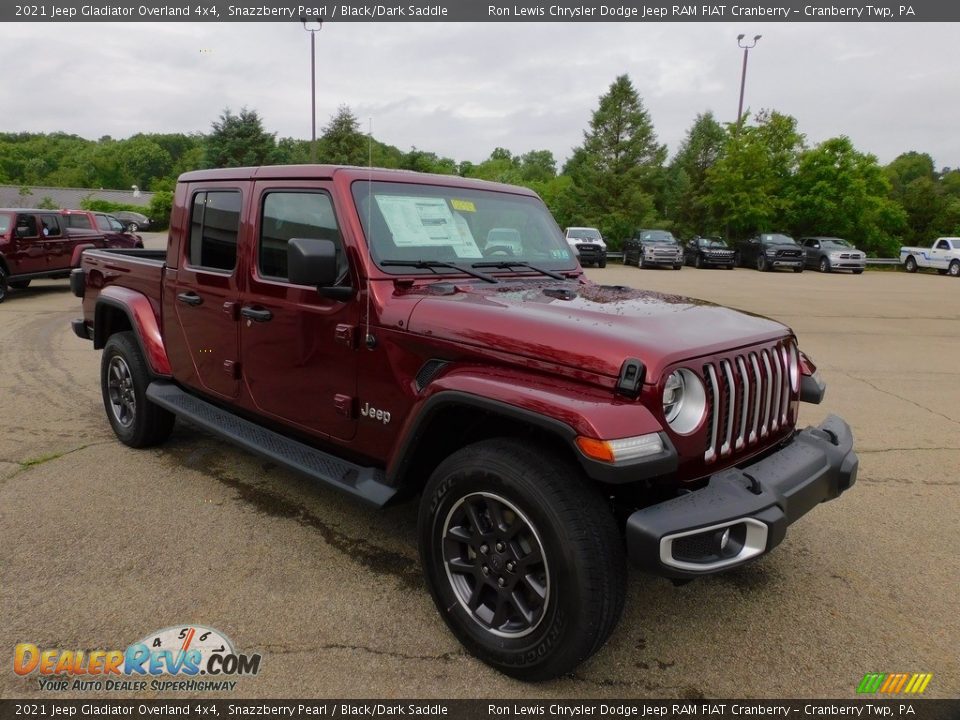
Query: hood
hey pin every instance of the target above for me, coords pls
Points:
(585, 326)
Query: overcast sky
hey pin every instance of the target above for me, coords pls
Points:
(462, 89)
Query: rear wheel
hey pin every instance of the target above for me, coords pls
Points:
(954, 270)
(522, 558)
(124, 377)
(824, 265)
(132, 227)
(911, 264)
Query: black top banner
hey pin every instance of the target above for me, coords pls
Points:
(477, 11)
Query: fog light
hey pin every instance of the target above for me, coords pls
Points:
(724, 539)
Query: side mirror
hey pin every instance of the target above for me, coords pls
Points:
(311, 261)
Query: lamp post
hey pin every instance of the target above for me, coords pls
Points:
(313, 26)
(743, 74)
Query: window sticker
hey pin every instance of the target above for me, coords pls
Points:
(463, 205)
(427, 222)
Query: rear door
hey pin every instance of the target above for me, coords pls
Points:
(298, 349)
(26, 253)
(206, 294)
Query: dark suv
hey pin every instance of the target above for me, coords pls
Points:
(769, 251)
(708, 252)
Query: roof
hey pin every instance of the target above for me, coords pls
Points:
(10, 196)
(351, 172)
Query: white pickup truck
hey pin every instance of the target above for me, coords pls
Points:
(944, 255)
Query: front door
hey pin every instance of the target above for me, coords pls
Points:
(298, 349)
(27, 252)
(205, 296)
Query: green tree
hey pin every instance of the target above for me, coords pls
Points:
(538, 166)
(342, 142)
(747, 187)
(617, 169)
(239, 141)
(685, 186)
(839, 191)
(159, 210)
(144, 161)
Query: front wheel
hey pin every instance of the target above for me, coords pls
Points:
(124, 377)
(954, 270)
(522, 558)
(762, 263)
(911, 264)
(824, 265)
(697, 262)
(602, 263)
(798, 269)
(132, 227)
(678, 266)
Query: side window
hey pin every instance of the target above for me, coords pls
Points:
(943, 245)
(214, 225)
(287, 215)
(103, 222)
(27, 225)
(115, 225)
(51, 225)
(77, 221)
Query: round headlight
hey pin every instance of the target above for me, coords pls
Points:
(684, 401)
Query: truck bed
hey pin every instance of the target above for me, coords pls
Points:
(134, 268)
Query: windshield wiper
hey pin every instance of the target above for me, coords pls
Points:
(433, 264)
(507, 264)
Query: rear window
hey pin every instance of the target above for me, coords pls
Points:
(214, 225)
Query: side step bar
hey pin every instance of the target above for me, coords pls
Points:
(365, 483)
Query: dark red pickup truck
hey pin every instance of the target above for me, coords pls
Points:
(370, 329)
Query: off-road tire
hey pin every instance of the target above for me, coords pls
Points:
(581, 581)
(124, 377)
(910, 265)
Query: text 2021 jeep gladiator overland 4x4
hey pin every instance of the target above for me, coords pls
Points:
(358, 326)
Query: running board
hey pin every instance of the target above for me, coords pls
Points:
(365, 483)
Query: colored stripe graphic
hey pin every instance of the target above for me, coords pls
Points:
(894, 683)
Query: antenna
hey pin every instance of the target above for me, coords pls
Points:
(370, 340)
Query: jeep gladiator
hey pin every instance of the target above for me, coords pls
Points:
(370, 328)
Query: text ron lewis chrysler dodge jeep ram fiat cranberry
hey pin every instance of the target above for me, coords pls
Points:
(370, 329)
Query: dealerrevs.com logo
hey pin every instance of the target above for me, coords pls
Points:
(185, 658)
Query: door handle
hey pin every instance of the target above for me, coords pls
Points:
(257, 314)
(190, 298)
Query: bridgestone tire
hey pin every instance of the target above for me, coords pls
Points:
(581, 581)
(124, 377)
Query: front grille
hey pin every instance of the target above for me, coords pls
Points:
(788, 253)
(748, 398)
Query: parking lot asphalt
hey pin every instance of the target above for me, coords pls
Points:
(103, 544)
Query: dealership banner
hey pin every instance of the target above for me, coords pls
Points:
(478, 11)
(918, 709)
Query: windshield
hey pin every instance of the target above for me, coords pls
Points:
(658, 236)
(776, 239)
(712, 242)
(835, 243)
(463, 226)
(583, 233)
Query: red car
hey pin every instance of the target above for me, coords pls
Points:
(371, 329)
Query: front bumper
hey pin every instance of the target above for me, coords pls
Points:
(785, 262)
(717, 259)
(591, 254)
(743, 513)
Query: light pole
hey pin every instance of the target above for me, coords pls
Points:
(743, 74)
(313, 26)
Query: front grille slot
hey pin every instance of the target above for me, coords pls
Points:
(748, 397)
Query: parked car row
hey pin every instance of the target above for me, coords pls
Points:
(47, 243)
(765, 251)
